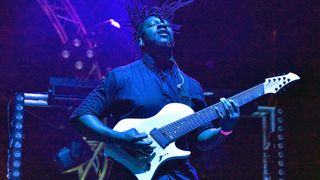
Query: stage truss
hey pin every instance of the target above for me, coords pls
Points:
(71, 30)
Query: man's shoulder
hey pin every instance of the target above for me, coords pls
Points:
(127, 68)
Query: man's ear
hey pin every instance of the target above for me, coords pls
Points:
(140, 42)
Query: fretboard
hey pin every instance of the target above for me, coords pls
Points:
(185, 125)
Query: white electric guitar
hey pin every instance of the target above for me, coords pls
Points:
(175, 120)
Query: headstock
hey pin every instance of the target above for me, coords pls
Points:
(274, 84)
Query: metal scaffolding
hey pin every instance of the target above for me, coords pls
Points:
(68, 25)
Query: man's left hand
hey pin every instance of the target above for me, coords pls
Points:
(229, 115)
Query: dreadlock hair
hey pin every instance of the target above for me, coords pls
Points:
(138, 13)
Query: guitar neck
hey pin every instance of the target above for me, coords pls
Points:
(185, 125)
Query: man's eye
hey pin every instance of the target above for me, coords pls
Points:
(152, 24)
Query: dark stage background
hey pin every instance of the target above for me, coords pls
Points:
(229, 45)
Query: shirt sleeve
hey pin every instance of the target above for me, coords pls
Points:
(99, 100)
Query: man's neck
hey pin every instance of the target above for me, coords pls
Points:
(160, 61)
(161, 57)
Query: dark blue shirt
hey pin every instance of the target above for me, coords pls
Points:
(141, 90)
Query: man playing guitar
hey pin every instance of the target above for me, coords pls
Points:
(140, 90)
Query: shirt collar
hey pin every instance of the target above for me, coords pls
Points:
(150, 63)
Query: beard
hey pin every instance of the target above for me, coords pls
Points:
(164, 44)
(160, 42)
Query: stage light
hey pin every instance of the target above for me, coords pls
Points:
(280, 128)
(17, 144)
(18, 135)
(65, 54)
(280, 111)
(18, 125)
(280, 145)
(281, 154)
(90, 53)
(19, 107)
(280, 137)
(15, 139)
(114, 23)
(16, 173)
(19, 98)
(16, 163)
(18, 116)
(76, 42)
(280, 120)
(17, 154)
(281, 171)
(78, 65)
(278, 159)
(281, 163)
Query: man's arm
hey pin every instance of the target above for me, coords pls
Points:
(90, 126)
(213, 137)
(210, 138)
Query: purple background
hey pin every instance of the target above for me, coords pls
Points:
(223, 44)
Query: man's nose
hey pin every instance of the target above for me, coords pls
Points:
(163, 25)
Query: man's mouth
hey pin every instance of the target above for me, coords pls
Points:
(163, 32)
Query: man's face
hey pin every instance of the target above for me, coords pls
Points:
(157, 32)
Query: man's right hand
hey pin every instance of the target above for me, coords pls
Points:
(136, 143)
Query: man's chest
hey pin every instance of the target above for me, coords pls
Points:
(146, 96)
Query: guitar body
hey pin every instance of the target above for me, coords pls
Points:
(145, 168)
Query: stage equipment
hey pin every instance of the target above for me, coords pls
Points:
(63, 92)
(273, 142)
(16, 130)
(61, 13)
(74, 36)
(67, 91)
(76, 154)
(15, 139)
